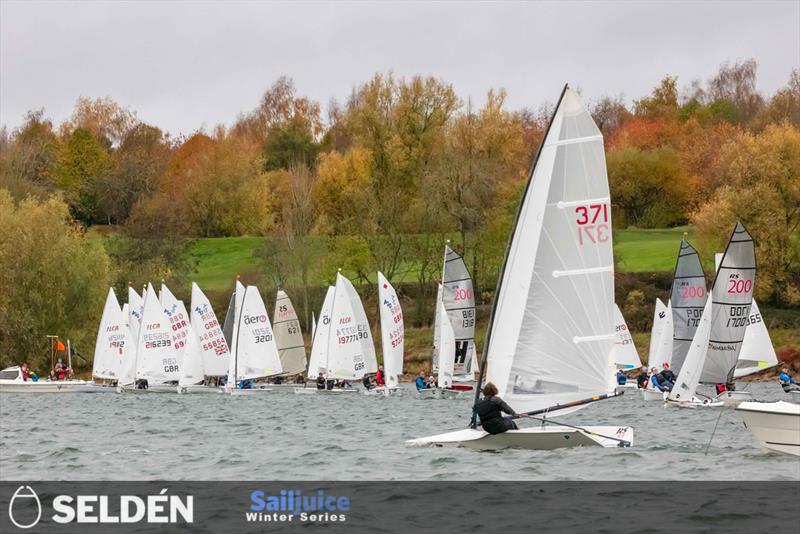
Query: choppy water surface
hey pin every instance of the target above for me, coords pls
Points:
(280, 435)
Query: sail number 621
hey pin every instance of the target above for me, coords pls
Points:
(592, 223)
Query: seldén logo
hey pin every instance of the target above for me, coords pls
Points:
(25, 508)
(292, 505)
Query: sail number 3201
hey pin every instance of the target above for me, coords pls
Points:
(592, 221)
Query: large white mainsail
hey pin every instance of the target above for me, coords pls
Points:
(553, 324)
(392, 331)
(459, 301)
(318, 361)
(351, 353)
(178, 319)
(288, 336)
(665, 342)
(192, 370)
(156, 357)
(624, 354)
(135, 310)
(689, 378)
(688, 298)
(732, 294)
(659, 321)
(256, 354)
(231, 328)
(206, 327)
(447, 341)
(111, 348)
(757, 352)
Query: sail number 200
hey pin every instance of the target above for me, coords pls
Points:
(592, 223)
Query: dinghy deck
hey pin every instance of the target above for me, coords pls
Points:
(546, 438)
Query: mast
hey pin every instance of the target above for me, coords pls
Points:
(474, 420)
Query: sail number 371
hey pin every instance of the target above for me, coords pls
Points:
(592, 223)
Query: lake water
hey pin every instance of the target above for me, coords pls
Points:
(280, 435)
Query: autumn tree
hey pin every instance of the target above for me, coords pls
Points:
(83, 163)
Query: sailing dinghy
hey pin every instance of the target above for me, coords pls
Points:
(550, 335)
(254, 353)
(660, 347)
(319, 346)
(624, 353)
(288, 337)
(444, 377)
(206, 354)
(392, 337)
(714, 351)
(112, 347)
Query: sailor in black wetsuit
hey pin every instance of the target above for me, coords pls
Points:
(491, 408)
(320, 381)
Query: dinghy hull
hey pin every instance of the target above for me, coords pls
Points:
(46, 386)
(382, 391)
(198, 389)
(695, 403)
(653, 395)
(314, 391)
(542, 439)
(775, 425)
(248, 392)
(734, 398)
(439, 393)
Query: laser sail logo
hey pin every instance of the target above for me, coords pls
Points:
(292, 505)
(24, 508)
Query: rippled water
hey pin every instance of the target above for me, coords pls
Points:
(280, 435)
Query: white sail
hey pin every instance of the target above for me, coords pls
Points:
(665, 342)
(437, 324)
(111, 348)
(624, 354)
(178, 319)
(447, 341)
(313, 325)
(553, 324)
(392, 331)
(135, 310)
(659, 320)
(689, 377)
(192, 370)
(319, 344)
(156, 357)
(459, 301)
(256, 354)
(125, 313)
(351, 353)
(288, 336)
(232, 326)
(732, 294)
(688, 298)
(211, 341)
(757, 352)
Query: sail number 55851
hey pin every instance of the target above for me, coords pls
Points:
(592, 223)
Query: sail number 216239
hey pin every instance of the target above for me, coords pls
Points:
(592, 221)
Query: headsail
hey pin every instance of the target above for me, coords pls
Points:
(447, 341)
(111, 348)
(732, 294)
(288, 336)
(206, 327)
(552, 328)
(659, 320)
(256, 353)
(459, 301)
(351, 353)
(757, 352)
(624, 354)
(156, 357)
(688, 298)
(319, 344)
(392, 331)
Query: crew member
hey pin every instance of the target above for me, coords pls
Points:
(420, 382)
(622, 378)
(788, 383)
(641, 378)
(379, 380)
(490, 409)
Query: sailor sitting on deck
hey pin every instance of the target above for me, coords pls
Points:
(367, 382)
(379, 380)
(420, 382)
(642, 377)
(321, 381)
(491, 408)
(666, 376)
(788, 383)
(659, 382)
(622, 378)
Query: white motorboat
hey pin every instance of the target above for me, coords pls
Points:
(11, 381)
(775, 425)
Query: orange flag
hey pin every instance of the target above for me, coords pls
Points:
(60, 346)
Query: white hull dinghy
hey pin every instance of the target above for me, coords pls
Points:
(199, 389)
(392, 339)
(795, 396)
(439, 393)
(288, 337)
(315, 391)
(384, 391)
(734, 398)
(551, 332)
(11, 382)
(650, 394)
(776, 425)
(446, 344)
(213, 359)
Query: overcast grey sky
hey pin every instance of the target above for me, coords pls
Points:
(186, 65)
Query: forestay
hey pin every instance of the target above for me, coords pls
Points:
(732, 295)
(624, 354)
(288, 336)
(459, 301)
(318, 361)
(447, 341)
(553, 324)
(211, 341)
(256, 354)
(111, 347)
(757, 352)
(156, 357)
(392, 331)
(351, 353)
(659, 320)
(688, 298)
